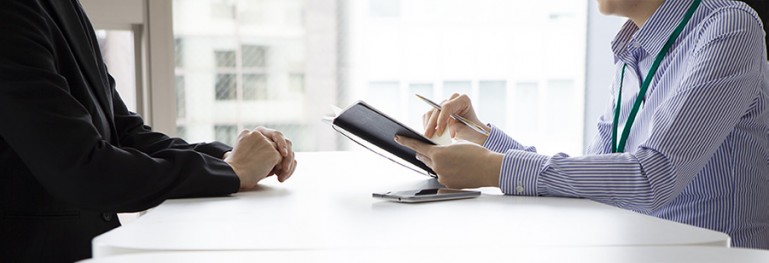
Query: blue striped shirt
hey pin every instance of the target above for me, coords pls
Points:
(698, 152)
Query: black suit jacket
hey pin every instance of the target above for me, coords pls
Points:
(71, 154)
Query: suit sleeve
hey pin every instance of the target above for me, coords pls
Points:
(135, 134)
(54, 136)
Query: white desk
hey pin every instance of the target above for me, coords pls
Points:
(327, 204)
(522, 254)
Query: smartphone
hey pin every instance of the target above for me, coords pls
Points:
(426, 195)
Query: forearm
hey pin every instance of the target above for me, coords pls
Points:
(133, 133)
(641, 181)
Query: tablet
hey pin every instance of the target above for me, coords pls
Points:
(426, 195)
(375, 127)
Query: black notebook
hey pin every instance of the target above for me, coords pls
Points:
(375, 127)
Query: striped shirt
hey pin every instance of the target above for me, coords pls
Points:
(698, 151)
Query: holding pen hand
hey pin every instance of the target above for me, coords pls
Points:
(436, 121)
(458, 165)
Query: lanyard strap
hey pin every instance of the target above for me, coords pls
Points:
(645, 85)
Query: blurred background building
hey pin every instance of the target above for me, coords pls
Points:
(282, 63)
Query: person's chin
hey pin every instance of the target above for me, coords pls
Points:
(604, 7)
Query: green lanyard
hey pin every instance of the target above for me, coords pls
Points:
(645, 85)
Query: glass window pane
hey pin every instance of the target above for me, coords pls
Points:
(223, 9)
(525, 110)
(460, 87)
(181, 131)
(178, 52)
(296, 84)
(560, 126)
(226, 87)
(225, 58)
(257, 64)
(181, 98)
(254, 56)
(281, 63)
(226, 134)
(254, 87)
(417, 107)
(492, 102)
(385, 95)
(117, 49)
(384, 8)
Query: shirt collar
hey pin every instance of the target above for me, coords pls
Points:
(655, 32)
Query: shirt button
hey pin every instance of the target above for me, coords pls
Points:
(106, 216)
(519, 189)
(635, 45)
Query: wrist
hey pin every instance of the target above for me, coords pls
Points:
(493, 169)
(482, 138)
(243, 182)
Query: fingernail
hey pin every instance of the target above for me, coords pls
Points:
(397, 138)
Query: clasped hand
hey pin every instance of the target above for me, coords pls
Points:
(261, 153)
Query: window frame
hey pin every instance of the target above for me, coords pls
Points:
(151, 22)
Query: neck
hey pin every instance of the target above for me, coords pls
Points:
(642, 10)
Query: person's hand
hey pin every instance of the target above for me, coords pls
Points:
(436, 121)
(286, 168)
(253, 158)
(459, 165)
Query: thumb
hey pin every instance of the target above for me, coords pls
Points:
(417, 146)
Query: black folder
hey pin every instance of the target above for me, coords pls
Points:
(375, 127)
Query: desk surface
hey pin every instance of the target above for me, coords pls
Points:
(521, 254)
(327, 204)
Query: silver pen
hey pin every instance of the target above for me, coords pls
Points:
(461, 119)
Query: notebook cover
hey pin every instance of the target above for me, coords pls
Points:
(377, 128)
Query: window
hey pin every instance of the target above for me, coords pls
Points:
(117, 48)
(492, 102)
(459, 87)
(384, 8)
(385, 95)
(226, 87)
(254, 56)
(281, 63)
(525, 105)
(224, 59)
(181, 131)
(255, 64)
(181, 98)
(417, 107)
(254, 87)
(296, 83)
(226, 133)
(178, 52)
(223, 9)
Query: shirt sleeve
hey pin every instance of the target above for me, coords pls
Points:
(500, 142)
(717, 89)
